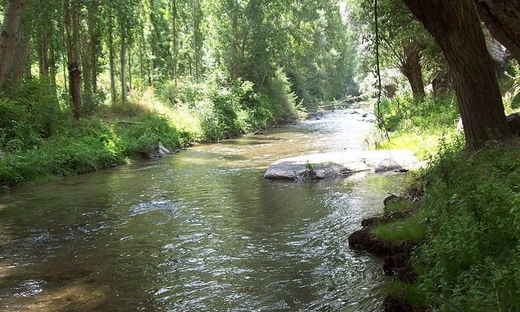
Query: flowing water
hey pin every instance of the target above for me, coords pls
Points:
(200, 230)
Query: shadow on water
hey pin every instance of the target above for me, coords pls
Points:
(197, 231)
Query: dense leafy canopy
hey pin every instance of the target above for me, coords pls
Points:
(143, 43)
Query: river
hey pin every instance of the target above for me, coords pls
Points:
(200, 230)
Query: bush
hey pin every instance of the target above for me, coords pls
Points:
(29, 116)
(279, 91)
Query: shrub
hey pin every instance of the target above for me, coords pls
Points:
(29, 116)
(279, 91)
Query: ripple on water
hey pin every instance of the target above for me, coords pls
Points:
(166, 205)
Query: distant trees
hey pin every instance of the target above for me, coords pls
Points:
(141, 43)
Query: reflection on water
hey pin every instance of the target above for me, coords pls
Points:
(197, 231)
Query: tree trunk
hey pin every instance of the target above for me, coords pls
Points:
(52, 68)
(175, 43)
(195, 39)
(43, 57)
(21, 63)
(9, 37)
(111, 56)
(411, 68)
(73, 54)
(87, 65)
(129, 71)
(142, 73)
(94, 41)
(441, 83)
(455, 26)
(502, 18)
(122, 56)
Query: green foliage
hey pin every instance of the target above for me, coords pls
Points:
(279, 90)
(513, 99)
(472, 208)
(141, 136)
(403, 113)
(89, 148)
(30, 115)
(410, 293)
(417, 125)
(224, 110)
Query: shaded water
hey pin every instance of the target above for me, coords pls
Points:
(198, 231)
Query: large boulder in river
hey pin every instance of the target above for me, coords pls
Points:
(325, 165)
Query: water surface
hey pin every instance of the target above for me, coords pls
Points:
(200, 230)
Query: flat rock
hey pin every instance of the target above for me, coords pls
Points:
(325, 165)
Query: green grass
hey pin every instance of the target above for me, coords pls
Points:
(42, 141)
(400, 205)
(395, 232)
(411, 293)
(423, 145)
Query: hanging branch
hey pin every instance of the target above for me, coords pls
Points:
(379, 117)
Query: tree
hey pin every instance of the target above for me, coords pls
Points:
(92, 48)
(72, 22)
(9, 37)
(455, 26)
(402, 39)
(47, 25)
(502, 18)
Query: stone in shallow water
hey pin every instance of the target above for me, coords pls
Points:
(325, 165)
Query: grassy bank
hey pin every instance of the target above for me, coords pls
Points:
(41, 141)
(467, 222)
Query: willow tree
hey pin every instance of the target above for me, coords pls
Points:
(455, 26)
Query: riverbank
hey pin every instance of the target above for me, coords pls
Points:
(464, 224)
(41, 142)
(453, 241)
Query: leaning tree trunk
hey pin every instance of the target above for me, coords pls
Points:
(441, 83)
(502, 18)
(411, 68)
(9, 36)
(455, 26)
